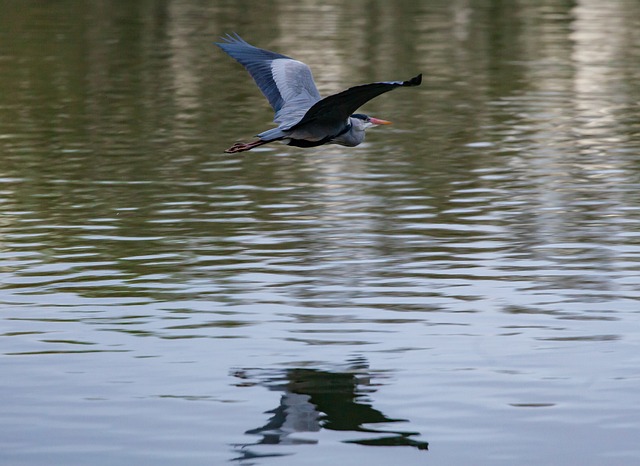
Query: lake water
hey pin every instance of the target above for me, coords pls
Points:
(461, 289)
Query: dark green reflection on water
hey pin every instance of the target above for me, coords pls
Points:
(521, 141)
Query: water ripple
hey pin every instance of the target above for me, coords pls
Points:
(474, 269)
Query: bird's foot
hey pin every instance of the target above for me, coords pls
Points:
(243, 146)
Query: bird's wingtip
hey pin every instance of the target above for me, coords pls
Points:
(415, 81)
(230, 38)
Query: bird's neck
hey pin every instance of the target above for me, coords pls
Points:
(350, 135)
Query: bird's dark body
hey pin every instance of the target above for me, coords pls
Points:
(306, 144)
(305, 118)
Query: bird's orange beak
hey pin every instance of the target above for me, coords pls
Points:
(377, 121)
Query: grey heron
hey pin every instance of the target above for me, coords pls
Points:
(304, 118)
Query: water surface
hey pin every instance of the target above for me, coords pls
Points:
(463, 288)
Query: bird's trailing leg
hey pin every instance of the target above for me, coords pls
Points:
(244, 146)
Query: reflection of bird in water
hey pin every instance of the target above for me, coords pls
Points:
(296, 413)
(314, 399)
(304, 118)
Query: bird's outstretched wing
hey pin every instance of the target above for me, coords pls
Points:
(286, 83)
(338, 107)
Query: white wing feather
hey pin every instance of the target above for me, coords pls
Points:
(297, 88)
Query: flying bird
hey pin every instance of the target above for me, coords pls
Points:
(304, 118)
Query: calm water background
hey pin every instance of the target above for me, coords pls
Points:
(467, 278)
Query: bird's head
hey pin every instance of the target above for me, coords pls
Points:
(353, 133)
(363, 122)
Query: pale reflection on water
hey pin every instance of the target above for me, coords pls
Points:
(467, 279)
